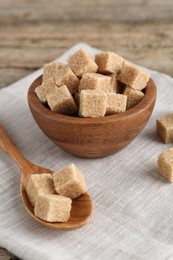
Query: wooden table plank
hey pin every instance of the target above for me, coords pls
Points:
(5, 255)
(77, 10)
(24, 48)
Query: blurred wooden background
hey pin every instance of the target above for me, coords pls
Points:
(33, 32)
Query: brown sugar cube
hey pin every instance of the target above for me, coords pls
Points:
(116, 103)
(133, 77)
(49, 70)
(65, 76)
(165, 164)
(69, 182)
(95, 81)
(134, 96)
(39, 183)
(92, 103)
(43, 90)
(114, 86)
(81, 62)
(164, 126)
(109, 62)
(61, 101)
(52, 208)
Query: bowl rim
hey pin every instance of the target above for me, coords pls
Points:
(35, 104)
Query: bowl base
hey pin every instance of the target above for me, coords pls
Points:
(90, 152)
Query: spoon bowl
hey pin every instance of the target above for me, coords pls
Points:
(82, 206)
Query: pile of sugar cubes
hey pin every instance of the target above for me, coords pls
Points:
(164, 126)
(92, 88)
(51, 194)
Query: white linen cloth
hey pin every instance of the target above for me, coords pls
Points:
(133, 205)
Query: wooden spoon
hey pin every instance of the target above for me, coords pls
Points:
(82, 207)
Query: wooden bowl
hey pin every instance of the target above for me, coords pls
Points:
(92, 137)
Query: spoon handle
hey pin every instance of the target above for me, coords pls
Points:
(7, 145)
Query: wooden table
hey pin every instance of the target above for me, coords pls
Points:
(35, 32)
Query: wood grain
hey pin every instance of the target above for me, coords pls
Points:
(33, 33)
(5, 255)
(145, 44)
(78, 11)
